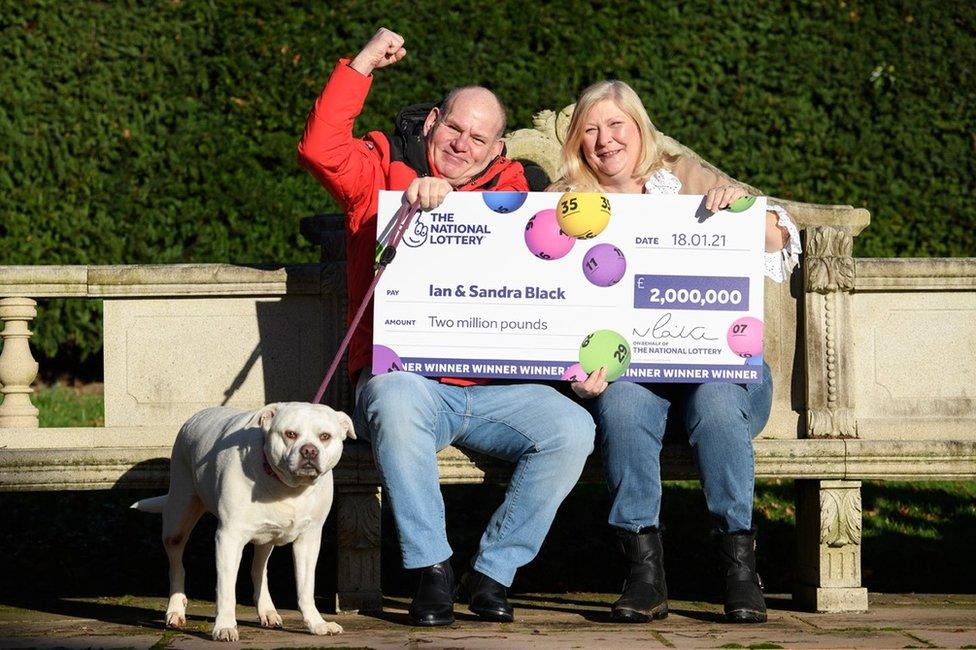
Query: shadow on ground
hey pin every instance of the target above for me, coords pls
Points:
(90, 544)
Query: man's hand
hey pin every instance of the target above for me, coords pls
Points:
(431, 192)
(385, 48)
(592, 386)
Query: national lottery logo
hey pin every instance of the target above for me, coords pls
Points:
(418, 235)
(442, 229)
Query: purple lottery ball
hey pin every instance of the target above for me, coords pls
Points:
(544, 238)
(504, 202)
(604, 265)
(385, 360)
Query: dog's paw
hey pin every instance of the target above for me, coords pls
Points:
(176, 611)
(270, 618)
(225, 634)
(325, 628)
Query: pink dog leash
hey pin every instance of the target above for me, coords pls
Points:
(401, 221)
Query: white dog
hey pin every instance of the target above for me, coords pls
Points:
(267, 476)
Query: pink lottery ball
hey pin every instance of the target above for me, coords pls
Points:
(604, 265)
(574, 373)
(745, 337)
(544, 238)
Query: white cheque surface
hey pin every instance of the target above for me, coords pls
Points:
(466, 297)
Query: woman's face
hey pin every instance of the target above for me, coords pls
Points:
(611, 143)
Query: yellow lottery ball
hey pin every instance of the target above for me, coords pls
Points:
(583, 215)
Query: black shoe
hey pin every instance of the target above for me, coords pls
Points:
(645, 594)
(434, 602)
(742, 585)
(486, 597)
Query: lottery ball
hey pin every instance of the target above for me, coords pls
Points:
(741, 204)
(385, 360)
(574, 373)
(544, 238)
(504, 202)
(583, 215)
(605, 349)
(604, 265)
(745, 337)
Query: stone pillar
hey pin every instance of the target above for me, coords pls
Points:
(17, 366)
(358, 522)
(829, 273)
(828, 526)
(338, 395)
(828, 513)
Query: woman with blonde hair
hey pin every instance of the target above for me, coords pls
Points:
(612, 146)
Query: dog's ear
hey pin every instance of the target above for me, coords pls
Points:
(264, 416)
(345, 426)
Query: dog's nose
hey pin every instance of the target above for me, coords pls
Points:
(309, 451)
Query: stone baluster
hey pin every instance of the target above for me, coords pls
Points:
(17, 365)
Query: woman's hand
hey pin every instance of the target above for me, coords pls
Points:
(592, 386)
(721, 197)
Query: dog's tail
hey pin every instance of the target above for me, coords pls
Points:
(154, 505)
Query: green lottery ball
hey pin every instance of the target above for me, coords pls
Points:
(741, 204)
(605, 348)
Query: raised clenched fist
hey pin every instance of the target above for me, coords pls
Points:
(385, 48)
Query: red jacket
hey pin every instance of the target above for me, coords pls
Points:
(354, 170)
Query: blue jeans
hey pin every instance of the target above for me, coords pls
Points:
(721, 420)
(409, 418)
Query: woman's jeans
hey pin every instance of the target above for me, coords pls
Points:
(721, 420)
(409, 418)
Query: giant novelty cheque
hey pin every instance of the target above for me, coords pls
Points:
(546, 286)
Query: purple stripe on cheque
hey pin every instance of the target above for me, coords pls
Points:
(700, 292)
(552, 370)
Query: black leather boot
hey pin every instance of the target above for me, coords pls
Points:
(742, 586)
(486, 597)
(434, 602)
(645, 595)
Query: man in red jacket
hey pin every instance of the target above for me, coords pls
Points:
(408, 418)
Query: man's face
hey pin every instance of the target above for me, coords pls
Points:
(463, 140)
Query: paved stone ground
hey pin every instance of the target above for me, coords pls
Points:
(543, 621)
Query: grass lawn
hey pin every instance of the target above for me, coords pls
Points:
(917, 537)
(70, 406)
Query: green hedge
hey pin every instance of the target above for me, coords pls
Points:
(165, 131)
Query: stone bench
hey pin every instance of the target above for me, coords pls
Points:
(872, 360)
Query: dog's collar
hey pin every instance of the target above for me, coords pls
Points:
(267, 467)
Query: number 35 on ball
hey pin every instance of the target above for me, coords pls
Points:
(583, 215)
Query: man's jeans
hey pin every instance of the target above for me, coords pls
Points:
(409, 418)
(721, 420)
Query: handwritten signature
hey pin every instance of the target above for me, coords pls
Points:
(662, 329)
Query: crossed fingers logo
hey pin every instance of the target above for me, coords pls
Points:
(418, 234)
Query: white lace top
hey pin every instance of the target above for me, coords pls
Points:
(778, 264)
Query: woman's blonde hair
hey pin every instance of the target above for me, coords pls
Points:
(574, 172)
